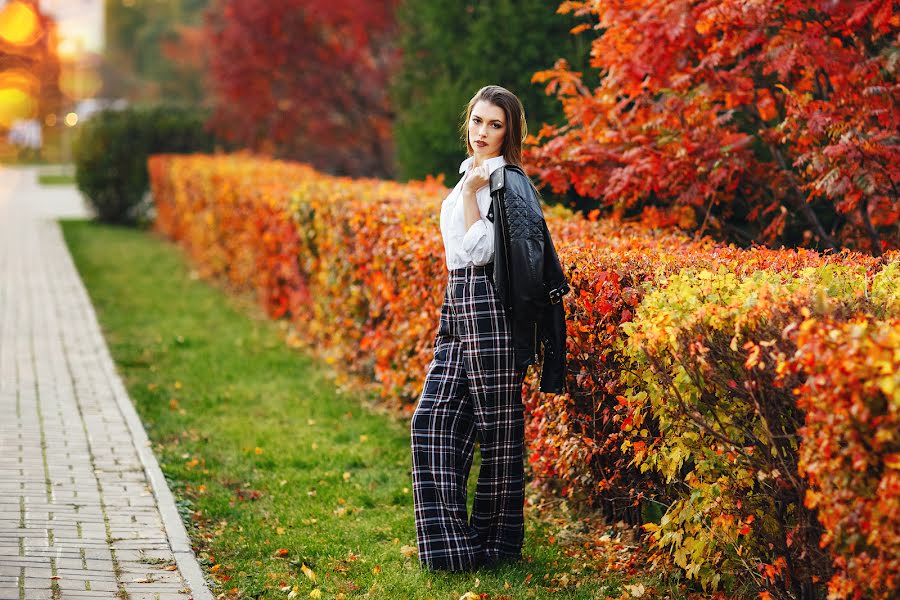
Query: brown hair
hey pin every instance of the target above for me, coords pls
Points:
(516, 125)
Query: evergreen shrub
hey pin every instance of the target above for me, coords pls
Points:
(111, 151)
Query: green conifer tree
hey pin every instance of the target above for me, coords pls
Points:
(450, 50)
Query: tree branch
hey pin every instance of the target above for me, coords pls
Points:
(870, 229)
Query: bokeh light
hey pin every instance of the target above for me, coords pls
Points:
(19, 24)
(69, 48)
(18, 96)
(79, 81)
(71, 119)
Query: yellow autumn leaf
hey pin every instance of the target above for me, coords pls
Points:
(408, 551)
(308, 572)
(315, 593)
(888, 385)
(636, 591)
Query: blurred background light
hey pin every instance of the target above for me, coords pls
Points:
(19, 25)
(18, 96)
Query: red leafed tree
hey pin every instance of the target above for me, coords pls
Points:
(775, 121)
(306, 79)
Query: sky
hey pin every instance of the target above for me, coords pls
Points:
(77, 19)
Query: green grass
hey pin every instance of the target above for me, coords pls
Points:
(53, 179)
(265, 456)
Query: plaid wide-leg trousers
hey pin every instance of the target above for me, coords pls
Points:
(472, 388)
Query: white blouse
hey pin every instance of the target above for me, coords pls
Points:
(474, 246)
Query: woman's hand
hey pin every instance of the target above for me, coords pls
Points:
(478, 178)
(475, 180)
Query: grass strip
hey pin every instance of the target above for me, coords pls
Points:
(290, 487)
(53, 179)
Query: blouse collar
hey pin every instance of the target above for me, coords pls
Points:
(492, 163)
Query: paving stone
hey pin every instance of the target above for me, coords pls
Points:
(74, 494)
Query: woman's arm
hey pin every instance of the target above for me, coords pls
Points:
(477, 178)
(478, 241)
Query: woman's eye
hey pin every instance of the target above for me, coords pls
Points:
(497, 125)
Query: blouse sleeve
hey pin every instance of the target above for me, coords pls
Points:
(478, 242)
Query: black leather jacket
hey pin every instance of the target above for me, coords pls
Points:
(527, 276)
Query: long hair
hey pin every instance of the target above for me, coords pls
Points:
(516, 126)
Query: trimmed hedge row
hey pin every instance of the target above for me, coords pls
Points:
(741, 405)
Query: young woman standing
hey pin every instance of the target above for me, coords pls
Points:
(474, 383)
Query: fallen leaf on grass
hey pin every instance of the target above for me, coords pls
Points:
(636, 591)
(308, 572)
(282, 552)
(315, 594)
(408, 551)
(245, 494)
(376, 569)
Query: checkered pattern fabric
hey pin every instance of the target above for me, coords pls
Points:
(472, 388)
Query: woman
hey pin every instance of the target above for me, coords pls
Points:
(474, 384)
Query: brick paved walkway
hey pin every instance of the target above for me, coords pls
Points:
(84, 509)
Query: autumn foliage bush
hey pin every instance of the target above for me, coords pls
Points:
(772, 121)
(696, 371)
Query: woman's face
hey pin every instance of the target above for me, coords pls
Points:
(487, 130)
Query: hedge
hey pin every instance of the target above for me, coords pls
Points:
(111, 149)
(740, 405)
